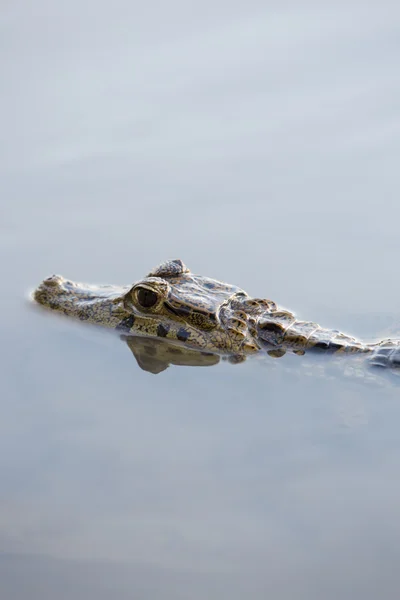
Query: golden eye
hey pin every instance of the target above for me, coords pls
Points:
(146, 298)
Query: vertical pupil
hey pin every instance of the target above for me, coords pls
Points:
(146, 298)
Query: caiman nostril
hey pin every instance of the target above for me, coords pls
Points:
(53, 280)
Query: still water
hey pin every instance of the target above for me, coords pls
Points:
(260, 143)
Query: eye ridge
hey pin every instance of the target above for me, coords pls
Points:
(146, 298)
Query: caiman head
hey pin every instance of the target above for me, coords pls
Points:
(170, 302)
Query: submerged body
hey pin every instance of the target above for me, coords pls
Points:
(203, 314)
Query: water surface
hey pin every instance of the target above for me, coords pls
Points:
(260, 144)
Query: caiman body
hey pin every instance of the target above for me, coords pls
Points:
(203, 314)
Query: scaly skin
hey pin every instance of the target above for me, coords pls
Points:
(202, 314)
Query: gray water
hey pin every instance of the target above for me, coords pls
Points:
(260, 143)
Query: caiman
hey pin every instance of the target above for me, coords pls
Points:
(205, 316)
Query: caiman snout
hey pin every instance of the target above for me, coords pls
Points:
(53, 290)
(85, 302)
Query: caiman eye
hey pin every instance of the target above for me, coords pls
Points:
(146, 298)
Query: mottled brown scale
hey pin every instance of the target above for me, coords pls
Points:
(239, 324)
(197, 312)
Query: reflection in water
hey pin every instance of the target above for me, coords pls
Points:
(155, 355)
